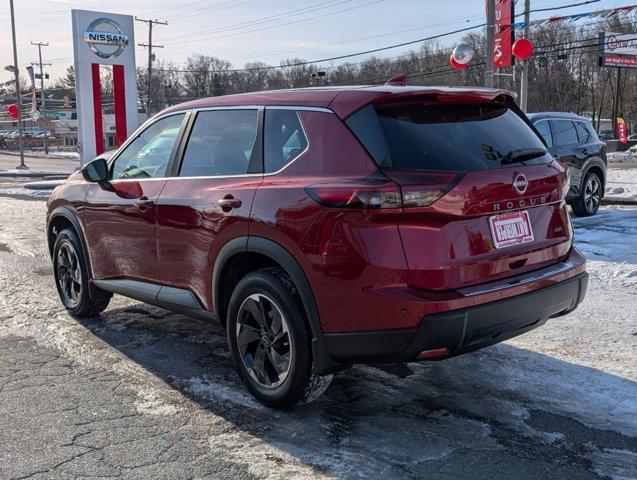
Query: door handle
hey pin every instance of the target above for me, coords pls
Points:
(144, 203)
(228, 202)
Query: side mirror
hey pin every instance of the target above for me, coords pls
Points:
(96, 171)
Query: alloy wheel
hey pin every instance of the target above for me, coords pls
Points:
(69, 274)
(263, 340)
(592, 194)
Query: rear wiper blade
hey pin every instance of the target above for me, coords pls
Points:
(522, 154)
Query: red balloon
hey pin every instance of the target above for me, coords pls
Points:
(522, 48)
(13, 111)
(456, 64)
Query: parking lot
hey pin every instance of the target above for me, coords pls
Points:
(143, 393)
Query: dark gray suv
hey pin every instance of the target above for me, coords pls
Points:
(573, 141)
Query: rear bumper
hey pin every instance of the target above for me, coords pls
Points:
(462, 330)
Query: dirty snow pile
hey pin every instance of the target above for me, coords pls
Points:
(622, 157)
(53, 153)
(621, 184)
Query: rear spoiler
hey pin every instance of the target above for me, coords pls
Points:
(350, 101)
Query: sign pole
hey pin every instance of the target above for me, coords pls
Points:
(489, 74)
(617, 97)
(18, 102)
(524, 84)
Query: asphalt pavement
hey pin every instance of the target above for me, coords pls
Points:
(139, 392)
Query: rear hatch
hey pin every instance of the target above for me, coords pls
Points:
(482, 199)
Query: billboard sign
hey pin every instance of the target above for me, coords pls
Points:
(617, 49)
(619, 43)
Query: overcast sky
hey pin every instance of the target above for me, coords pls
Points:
(250, 30)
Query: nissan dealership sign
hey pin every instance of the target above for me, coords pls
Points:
(106, 38)
(103, 39)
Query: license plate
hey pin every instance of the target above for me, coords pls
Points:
(511, 229)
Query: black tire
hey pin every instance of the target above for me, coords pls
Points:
(271, 291)
(69, 262)
(590, 196)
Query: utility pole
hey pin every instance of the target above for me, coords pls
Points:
(524, 85)
(489, 81)
(42, 96)
(150, 47)
(18, 102)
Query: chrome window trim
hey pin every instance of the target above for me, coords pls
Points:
(299, 108)
(195, 111)
(148, 122)
(307, 139)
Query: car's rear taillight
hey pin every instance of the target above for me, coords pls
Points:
(363, 194)
(427, 188)
(566, 181)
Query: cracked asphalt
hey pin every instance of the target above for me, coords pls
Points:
(143, 393)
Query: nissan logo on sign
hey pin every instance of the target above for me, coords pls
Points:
(520, 183)
(105, 38)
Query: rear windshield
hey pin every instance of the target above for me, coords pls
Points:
(456, 138)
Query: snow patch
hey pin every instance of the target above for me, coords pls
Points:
(622, 157)
(213, 388)
(615, 464)
(53, 153)
(25, 192)
(149, 402)
(621, 184)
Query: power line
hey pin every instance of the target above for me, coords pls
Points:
(355, 40)
(179, 17)
(182, 5)
(234, 34)
(267, 19)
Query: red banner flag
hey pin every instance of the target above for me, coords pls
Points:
(622, 132)
(503, 34)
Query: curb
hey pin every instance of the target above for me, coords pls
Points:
(51, 156)
(32, 174)
(617, 201)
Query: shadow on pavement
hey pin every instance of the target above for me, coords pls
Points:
(499, 412)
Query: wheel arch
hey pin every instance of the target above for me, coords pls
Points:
(597, 168)
(58, 220)
(265, 252)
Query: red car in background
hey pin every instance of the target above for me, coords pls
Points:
(328, 226)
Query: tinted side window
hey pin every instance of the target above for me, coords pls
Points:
(583, 132)
(148, 155)
(284, 138)
(545, 130)
(564, 132)
(366, 126)
(221, 143)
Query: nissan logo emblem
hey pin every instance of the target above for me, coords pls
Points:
(520, 183)
(106, 42)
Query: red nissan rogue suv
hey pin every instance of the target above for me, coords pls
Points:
(324, 227)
